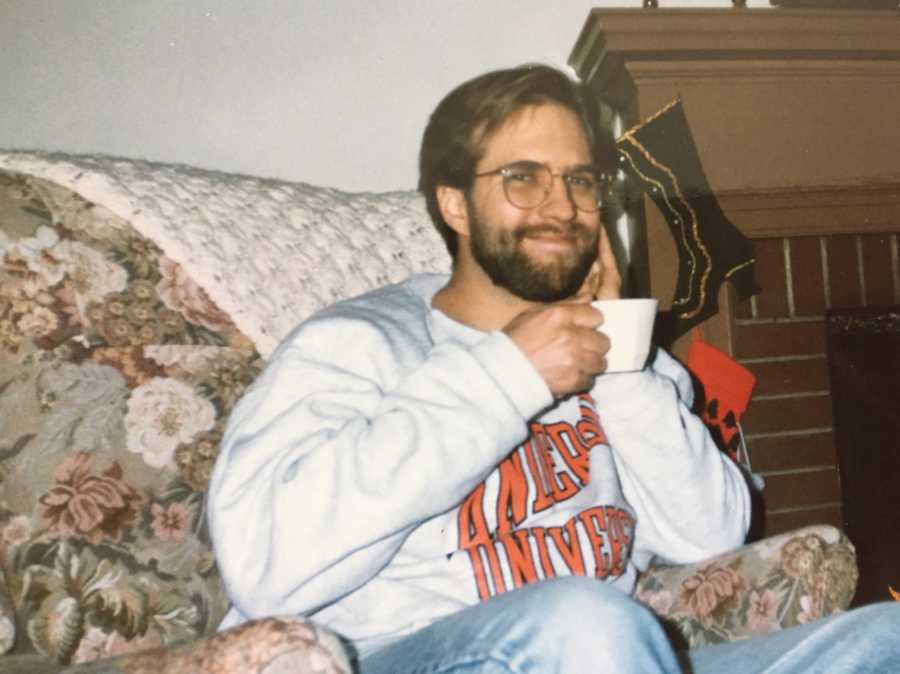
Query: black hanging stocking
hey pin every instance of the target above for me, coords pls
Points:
(660, 153)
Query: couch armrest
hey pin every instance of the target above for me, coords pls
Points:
(774, 583)
(291, 645)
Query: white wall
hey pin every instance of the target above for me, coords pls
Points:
(334, 92)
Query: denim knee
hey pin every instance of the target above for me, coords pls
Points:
(863, 641)
(564, 625)
(586, 603)
(875, 623)
(588, 621)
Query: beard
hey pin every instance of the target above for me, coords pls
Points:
(500, 253)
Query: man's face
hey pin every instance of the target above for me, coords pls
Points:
(540, 254)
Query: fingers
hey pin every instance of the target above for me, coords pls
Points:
(584, 315)
(590, 361)
(563, 344)
(591, 285)
(607, 258)
(596, 341)
(603, 281)
(610, 287)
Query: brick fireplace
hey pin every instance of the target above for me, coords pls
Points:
(794, 115)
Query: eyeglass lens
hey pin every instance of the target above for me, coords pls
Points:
(529, 184)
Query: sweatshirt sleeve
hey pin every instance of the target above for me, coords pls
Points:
(691, 500)
(348, 440)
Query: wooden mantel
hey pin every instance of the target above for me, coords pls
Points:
(810, 93)
(684, 33)
(796, 117)
(794, 112)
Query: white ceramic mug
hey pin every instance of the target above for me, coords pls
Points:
(629, 325)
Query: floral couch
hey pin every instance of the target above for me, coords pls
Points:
(137, 301)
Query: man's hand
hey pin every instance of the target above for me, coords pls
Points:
(603, 282)
(562, 342)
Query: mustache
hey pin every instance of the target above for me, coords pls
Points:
(571, 229)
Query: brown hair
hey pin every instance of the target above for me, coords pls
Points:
(462, 122)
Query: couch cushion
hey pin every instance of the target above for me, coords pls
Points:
(789, 579)
(74, 271)
(277, 645)
(137, 301)
(117, 374)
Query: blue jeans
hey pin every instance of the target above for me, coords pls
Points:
(582, 626)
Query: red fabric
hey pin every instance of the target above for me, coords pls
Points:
(727, 387)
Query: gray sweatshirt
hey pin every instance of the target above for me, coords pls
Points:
(391, 466)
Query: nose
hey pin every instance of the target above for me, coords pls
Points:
(559, 204)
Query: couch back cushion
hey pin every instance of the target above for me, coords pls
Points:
(137, 302)
(266, 252)
(117, 374)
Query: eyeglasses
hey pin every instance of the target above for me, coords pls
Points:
(527, 184)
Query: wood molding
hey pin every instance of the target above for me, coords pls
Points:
(882, 71)
(871, 207)
(793, 113)
(801, 96)
(729, 34)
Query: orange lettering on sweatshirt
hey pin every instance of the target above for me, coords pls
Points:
(566, 539)
(539, 534)
(551, 466)
(594, 521)
(573, 452)
(474, 537)
(620, 529)
(512, 498)
(542, 498)
(521, 562)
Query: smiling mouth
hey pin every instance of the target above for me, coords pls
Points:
(554, 238)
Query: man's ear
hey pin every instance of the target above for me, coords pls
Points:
(452, 202)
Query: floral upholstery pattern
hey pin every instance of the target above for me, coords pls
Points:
(117, 374)
(780, 581)
(268, 646)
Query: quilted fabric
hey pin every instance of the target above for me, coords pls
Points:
(268, 252)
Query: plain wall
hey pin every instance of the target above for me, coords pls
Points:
(332, 92)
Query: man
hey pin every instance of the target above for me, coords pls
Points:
(439, 470)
